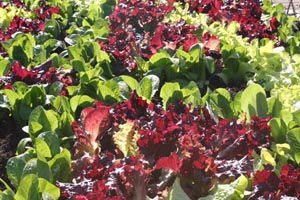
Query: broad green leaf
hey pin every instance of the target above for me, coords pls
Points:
(42, 149)
(279, 130)
(149, 85)
(53, 27)
(38, 167)
(48, 119)
(184, 59)
(293, 139)
(297, 157)
(274, 107)
(287, 117)
(48, 190)
(282, 148)
(35, 127)
(65, 122)
(236, 104)
(74, 52)
(79, 65)
(32, 4)
(8, 193)
(191, 94)
(12, 96)
(221, 103)
(232, 191)
(15, 166)
(106, 94)
(61, 104)
(160, 59)
(267, 48)
(61, 166)
(155, 83)
(101, 56)
(253, 101)
(267, 158)
(20, 87)
(176, 192)
(35, 96)
(113, 86)
(126, 139)
(81, 101)
(28, 188)
(145, 89)
(90, 74)
(170, 93)
(196, 53)
(232, 62)
(21, 48)
(56, 88)
(6, 17)
(21, 148)
(209, 64)
(5, 65)
(52, 141)
(124, 90)
(131, 82)
(50, 45)
(3, 102)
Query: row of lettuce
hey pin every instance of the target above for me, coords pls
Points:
(150, 99)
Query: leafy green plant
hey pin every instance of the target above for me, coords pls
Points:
(172, 93)
(22, 100)
(21, 48)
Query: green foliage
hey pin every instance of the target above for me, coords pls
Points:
(235, 190)
(293, 138)
(22, 100)
(79, 102)
(33, 187)
(279, 130)
(222, 104)
(21, 48)
(41, 120)
(171, 93)
(15, 166)
(176, 192)
(253, 101)
(28, 188)
(148, 86)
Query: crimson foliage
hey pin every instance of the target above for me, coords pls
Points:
(178, 142)
(137, 30)
(26, 25)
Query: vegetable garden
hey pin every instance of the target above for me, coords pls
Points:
(134, 99)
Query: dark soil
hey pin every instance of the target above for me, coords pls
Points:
(9, 138)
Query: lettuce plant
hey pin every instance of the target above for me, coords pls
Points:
(146, 144)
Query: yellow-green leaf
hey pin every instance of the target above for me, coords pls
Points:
(267, 158)
(126, 139)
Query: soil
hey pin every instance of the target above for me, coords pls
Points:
(9, 138)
